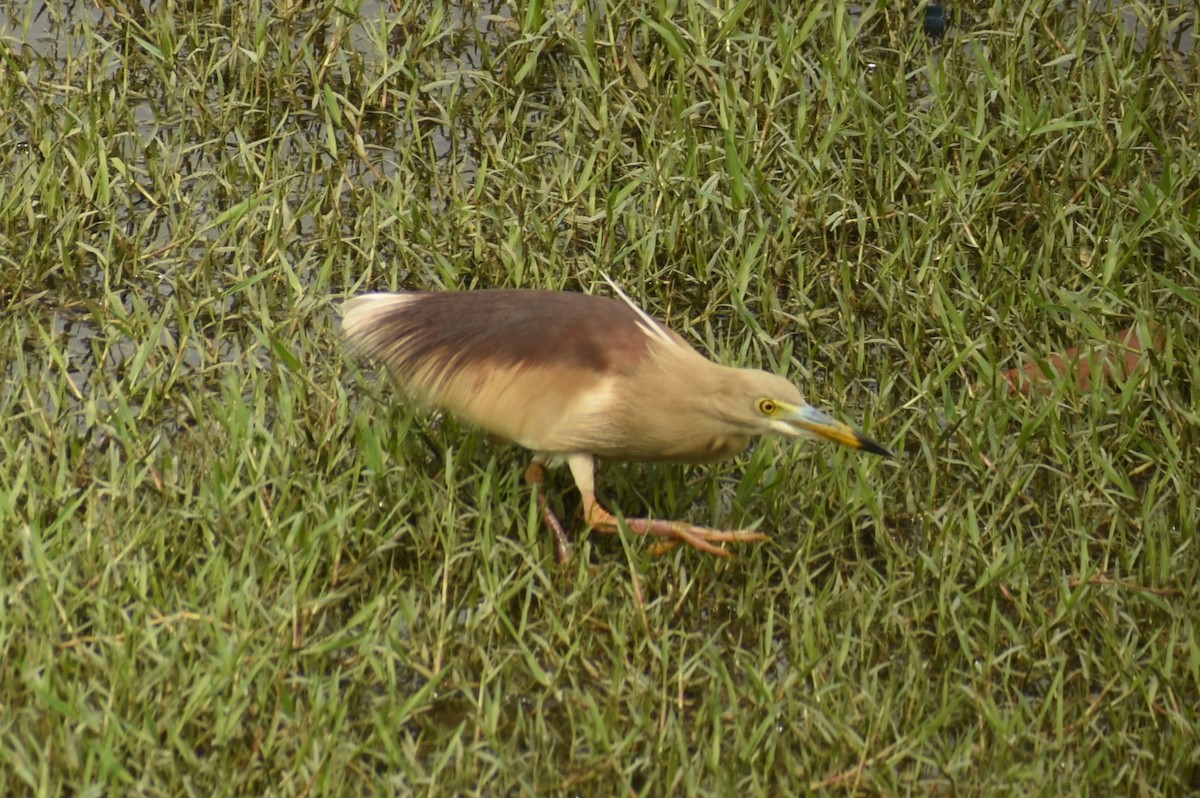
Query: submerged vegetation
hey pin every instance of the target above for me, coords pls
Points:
(234, 562)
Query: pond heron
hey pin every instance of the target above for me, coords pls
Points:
(574, 377)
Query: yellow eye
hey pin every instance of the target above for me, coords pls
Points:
(767, 407)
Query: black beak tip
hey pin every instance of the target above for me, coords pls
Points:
(868, 445)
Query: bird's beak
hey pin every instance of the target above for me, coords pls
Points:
(812, 421)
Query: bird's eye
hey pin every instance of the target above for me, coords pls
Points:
(767, 407)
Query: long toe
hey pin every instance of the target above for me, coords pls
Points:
(674, 532)
(729, 535)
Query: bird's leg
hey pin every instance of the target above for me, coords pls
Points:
(602, 520)
(535, 477)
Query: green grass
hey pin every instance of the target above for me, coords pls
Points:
(233, 562)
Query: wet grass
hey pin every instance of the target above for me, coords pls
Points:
(234, 563)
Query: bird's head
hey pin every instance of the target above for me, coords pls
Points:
(769, 404)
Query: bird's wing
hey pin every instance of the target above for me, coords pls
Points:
(542, 368)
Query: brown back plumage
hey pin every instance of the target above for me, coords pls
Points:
(538, 367)
(451, 330)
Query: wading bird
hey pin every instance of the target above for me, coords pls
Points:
(574, 377)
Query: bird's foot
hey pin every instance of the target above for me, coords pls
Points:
(675, 532)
